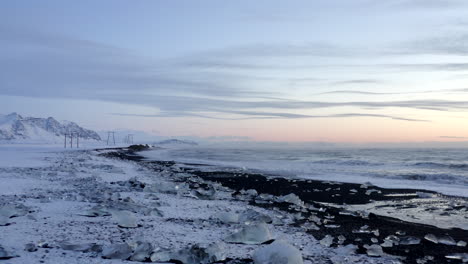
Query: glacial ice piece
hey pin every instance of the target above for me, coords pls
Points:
(250, 192)
(310, 226)
(125, 219)
(374, 250)
(327, 241)
(251, 216)
(162, 187)
(447, 240)
(461, 243)
(142, 251)
(228, 217)
(460, 256)
(203, 194)
(409, 240)
(251, 235)
(278, 252)
(117, 251)
(4, 221)
(87, 247)
(156, 212)
(341, 239)
(424, 195)
(432, 238)
(10, 211)
(5, 254)
(197, 254)
(30, 247)
(161, 255)
(291, 198)
(95, 212)
(387, 243)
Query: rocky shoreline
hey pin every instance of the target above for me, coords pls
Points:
(114, 206)
(412, 242)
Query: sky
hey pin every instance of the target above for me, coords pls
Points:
(265, 70)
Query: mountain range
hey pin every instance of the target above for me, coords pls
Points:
(14, 127)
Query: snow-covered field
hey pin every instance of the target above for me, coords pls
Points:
(51, 191)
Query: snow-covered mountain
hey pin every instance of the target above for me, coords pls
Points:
(14, 127)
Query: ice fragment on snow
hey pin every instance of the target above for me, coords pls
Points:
(327, 241)
(250, 216)
(95, 211)
(291, 198)
(4, 254)
(125, 218)
(374, 250)
(252, 234)
(161, 255)
(87, 247)
(278, 252)
(142, 251)
(117, 251)
(30, 247)
(197, 254)
(227, 217)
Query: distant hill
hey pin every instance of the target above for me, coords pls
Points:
(176, 142)
(16, 128)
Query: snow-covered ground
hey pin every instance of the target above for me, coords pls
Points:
(54, 189)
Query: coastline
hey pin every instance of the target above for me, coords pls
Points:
(175, 219)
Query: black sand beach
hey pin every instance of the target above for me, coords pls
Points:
(408, 240)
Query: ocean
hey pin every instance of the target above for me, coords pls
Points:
(442, 170)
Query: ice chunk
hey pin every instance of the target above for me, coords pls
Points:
(5, 254)
(409, 240)
(460, 256)
(87, 247)
(163, 187)
(10, 211)
(278, 252)
(327, 241)
(432, 238)
(250, 192)
(447, 240)
(374, 250)
(227, 217)
(310, 226)
(117, 251)
(387, 243)
(30, 247)
(200, 255)
(251, 216)
(161, 255)
(252, 234)
(125, 218)
(142, 252)
(96, 211)
(203, 194)
(424, 195)
(341, 239)
(4, 221)
(291, 198)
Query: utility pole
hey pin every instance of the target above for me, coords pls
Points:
(128, 139)
(69, 136)
(109, 133)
